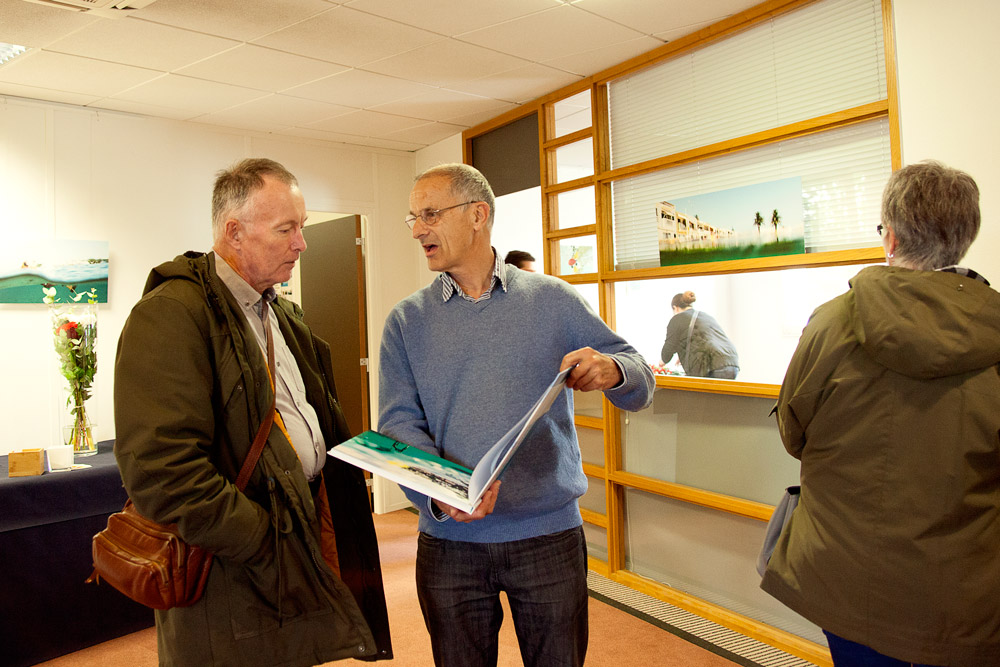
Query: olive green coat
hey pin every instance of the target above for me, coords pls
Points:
(191, 389)
(892, 404)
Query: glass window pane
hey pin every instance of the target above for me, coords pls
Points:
(591, 443)
(716, 442)
(575, 255)
(571, 114)
(589, 293)
(594, 499)
(706, 553)
(762, 313)
(838, 175)
(597, 541)
(572, 161)
(574, 208)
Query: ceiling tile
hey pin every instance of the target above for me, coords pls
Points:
(426, 134)
(34, 25)
(141, 108)
(134, 42)
(33, 92)
(551, 33)
(677, 33)
(447, 17)
(446, 63)
(522, 84)
(656, 17)
(351, 139)
(439, 104)
(73, 74)
(347, 37)
(593, 61)
(358, 88)
(366, 123)
(183, 92)
(473, 119)
(274, 112)
(260, 68)
(244, 20)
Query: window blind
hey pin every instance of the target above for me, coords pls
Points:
(825, 57)
(842, 172)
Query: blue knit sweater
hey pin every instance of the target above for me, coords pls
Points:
(455, 376)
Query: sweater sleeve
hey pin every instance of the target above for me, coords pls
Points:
(165, 426)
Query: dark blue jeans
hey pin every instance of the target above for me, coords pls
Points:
(851, 654)
(545, 578)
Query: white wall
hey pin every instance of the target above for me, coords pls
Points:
(946, 56)
(144, 185)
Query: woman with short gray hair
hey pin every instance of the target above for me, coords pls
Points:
(892, 404)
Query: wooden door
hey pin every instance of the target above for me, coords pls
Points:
(332, 273)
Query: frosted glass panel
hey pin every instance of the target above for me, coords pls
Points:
(573, 161)
(591, 444)
(727, 444)
(705, 553)
(762, 313)
(594, 499)
(574, 208)
(571, 114)
(597, 541)
(588, 403)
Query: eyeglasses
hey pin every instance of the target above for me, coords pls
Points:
(431, 216)
(878, 228)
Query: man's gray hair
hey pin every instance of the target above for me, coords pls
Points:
(234, 187)
(467, 183)
(934, 212)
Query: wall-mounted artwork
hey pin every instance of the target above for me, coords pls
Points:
(71, 267)
(760, 220)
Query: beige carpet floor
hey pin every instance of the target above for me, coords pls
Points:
(616, 637)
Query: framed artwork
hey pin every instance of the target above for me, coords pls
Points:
(759, 220)
(71, 267)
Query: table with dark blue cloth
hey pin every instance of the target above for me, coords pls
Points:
(46, 524)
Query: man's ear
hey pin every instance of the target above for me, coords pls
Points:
(482, 211)
(233, 232)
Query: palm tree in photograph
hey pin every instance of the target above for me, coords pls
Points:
(758, 220)
(775, 220)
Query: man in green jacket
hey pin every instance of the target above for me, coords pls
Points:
(292, 583)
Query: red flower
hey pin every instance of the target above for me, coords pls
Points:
(70, 328)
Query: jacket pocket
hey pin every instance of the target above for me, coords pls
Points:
(277, 586)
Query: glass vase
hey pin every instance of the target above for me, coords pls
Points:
(74, 330)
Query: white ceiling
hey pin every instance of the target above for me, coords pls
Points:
(398, 74)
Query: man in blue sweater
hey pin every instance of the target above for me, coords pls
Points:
(461, 361)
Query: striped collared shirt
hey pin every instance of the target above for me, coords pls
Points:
(450, 287)
(962, 271)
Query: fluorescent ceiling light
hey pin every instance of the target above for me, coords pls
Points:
(10, 51)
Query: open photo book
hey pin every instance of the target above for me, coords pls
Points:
(434, 476)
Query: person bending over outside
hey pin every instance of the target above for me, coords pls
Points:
(702, 347)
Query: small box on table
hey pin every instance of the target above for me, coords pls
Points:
(25, 463)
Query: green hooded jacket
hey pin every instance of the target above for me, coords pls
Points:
(191, 389)
(892, 404)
